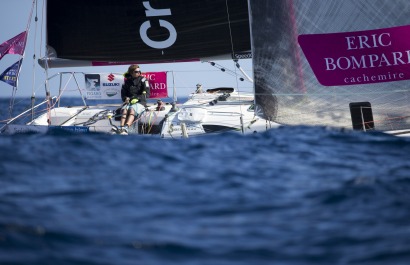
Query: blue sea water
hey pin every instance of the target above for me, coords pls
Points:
(292, 196)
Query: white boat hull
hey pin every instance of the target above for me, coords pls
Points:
(95, 119)
(204, 113)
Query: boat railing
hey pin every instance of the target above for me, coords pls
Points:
(65, 78)
(24, 112)
(226, 113)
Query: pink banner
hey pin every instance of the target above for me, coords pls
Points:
(157, 84)
(14, 45)
(361, 57)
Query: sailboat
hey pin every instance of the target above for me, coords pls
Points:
(101, 33)
(334, 63)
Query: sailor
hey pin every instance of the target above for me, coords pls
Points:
(198, 89)
(133, 93)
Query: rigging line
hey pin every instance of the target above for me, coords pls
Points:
(243, 72)
(42, 27)
(232, 47)
(226, 70)
(65, 86)
(233, 50)
(23, 114)
(12, 100)
(237, 85)
(34, 55)
(46, 67)
(151, 120)
(239, 96)
(229, 25)
(231, 39)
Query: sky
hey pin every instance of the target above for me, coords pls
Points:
(14, 18)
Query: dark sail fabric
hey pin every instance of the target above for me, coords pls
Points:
(286, 88)
(147, 31)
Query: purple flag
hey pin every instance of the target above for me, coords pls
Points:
(10, 74)
(14, 45)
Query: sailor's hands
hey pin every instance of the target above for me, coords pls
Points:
(133, 101)
(127, 100)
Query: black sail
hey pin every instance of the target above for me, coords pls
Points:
(147, 31)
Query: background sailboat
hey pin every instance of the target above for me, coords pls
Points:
(286, 88)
